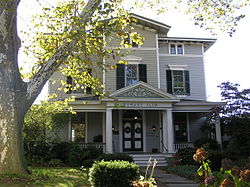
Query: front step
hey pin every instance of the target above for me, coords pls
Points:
(142, 159)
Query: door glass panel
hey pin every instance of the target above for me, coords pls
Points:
(127, 130)
(127, 145)
(137, 130)
(138, 144)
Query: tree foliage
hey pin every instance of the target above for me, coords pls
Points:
(235, 117)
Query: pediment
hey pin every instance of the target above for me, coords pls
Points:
(141, 90)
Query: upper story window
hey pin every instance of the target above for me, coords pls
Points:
(128, 40)
(75, 87)
(176, 49)
(178, 81)
(127, 75)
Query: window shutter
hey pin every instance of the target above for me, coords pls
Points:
(69, 81)
(142, 72)
(120, 76)
(187, 82)
(169, 81)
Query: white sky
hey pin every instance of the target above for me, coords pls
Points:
(226, 60)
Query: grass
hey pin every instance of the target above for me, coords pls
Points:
(187, 171)
(46, 177)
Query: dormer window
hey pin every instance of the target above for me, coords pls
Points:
(176, 49)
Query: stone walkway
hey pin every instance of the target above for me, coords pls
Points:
(169, 180)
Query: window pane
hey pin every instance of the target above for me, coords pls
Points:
(178, 82)
(131, 74)
(172, 49)
(78, 132)
(179, 49)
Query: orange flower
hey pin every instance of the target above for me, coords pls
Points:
(227, 183)
(200, 155)
(245, 175)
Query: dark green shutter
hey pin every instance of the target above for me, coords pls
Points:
(120, 76)
(69, 81)
(169, 81)
(142, 72)
(187, 82)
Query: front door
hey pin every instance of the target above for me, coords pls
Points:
(132, 135)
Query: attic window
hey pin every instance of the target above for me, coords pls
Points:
(176, 49)
(129, 41)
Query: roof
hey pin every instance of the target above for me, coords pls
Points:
(208, 42)
(147, 22)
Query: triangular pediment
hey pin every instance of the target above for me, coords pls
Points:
(142, 90)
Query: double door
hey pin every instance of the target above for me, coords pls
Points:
(132, 135)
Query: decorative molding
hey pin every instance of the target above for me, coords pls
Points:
(132, 58)
(139, 92)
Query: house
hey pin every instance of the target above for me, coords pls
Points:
(157, 102)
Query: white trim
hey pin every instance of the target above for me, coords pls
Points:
(69, 130)
(158, 62)
(120, 131)
(86, 127)
(132, 59)
(176, 49)
(132, 48)
(186, 55)
(176, 67)
(144, 130)
(188, 128)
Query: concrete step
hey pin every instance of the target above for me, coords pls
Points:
(142, 159)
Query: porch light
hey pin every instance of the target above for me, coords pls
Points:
(113, 128)
(135, 117)
(153, 128)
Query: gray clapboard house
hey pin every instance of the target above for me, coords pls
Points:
(157, 102)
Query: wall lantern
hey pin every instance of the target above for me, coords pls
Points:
(153, 128)
(113, 128)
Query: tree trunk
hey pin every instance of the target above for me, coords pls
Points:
(12, 93)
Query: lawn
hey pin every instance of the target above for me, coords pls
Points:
(46, 177)
(187, 171)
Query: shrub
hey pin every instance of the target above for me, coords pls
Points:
(184, 157)
(215, 156)
(207, 143)
(187, 171)
(116, 156)
(113, 173)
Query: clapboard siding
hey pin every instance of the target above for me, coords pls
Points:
(193, 49)
(196, 71)
(149, 36)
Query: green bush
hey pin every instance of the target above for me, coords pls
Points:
(215, 156)
(116, 156)
(113, 173)
(184, 157)
(187, 171)
(207, 143)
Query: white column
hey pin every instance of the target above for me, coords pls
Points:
(164, 131)
(103, 130)
(120, 132)
(144, 131)
(109, 136)
(218, 131)
(170, 133)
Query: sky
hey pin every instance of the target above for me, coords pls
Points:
(226, 60)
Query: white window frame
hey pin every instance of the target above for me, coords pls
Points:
(176, 48)
(137, 73)
(178, 68)
(131, 42)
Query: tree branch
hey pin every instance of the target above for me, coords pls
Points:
(46, 71)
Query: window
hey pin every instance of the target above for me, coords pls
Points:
(130, 74)
(180, 127)
(178, 82)
(176, 49)
(128, 40)
(78, 127)
(82, 89)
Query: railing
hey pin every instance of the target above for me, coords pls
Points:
(100, 146)
(179, 146)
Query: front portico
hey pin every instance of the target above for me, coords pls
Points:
(135, 130)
